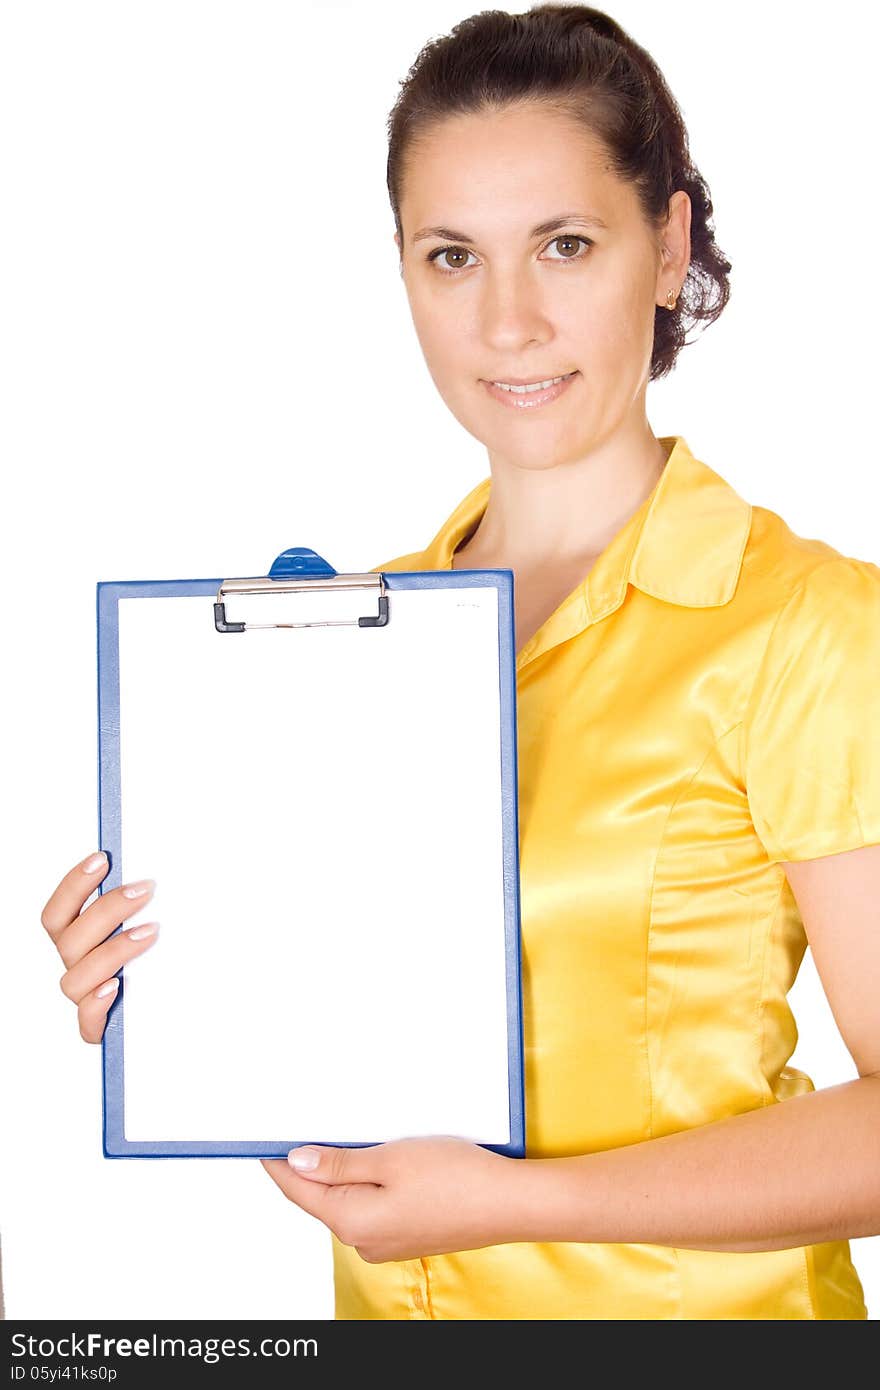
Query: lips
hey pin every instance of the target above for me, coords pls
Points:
(516, 395)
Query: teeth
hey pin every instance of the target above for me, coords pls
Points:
(535, 386)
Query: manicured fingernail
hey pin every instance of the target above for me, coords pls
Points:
(97, 861)
(110, 988)
(304, 1159)
(141, 933)
(137, 890)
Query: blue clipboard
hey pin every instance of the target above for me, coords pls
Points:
(299, 572)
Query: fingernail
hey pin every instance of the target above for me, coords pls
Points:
(110, 988)
(141, 933)
(97, 861)
(303, 1159)
(137, 890)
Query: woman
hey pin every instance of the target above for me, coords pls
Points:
(697, 705)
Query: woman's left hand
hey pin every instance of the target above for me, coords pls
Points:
(409, 1197)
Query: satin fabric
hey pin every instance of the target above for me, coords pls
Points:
(702, 707)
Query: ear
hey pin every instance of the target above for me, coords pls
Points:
(675, 246)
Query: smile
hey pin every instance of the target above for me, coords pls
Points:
(528, 395)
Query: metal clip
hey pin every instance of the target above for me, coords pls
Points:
(284, 586)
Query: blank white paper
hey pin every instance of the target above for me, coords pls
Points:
(321, 810)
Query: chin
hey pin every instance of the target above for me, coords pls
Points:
(534, 442)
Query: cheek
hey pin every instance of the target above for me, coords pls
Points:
(608, 326)
(442, 343)
(438, 329)
(449, 337)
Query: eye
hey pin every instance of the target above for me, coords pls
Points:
(449, 251)
(568, 239)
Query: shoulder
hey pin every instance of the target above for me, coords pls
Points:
(803, 573)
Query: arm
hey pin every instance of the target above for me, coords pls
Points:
(797, 1173)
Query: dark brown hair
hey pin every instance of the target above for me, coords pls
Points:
(578, 61)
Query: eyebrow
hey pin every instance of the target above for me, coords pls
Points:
(553, 225)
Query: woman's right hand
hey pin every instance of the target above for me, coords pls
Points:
(90, 958)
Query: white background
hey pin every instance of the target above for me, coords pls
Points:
(207, 356)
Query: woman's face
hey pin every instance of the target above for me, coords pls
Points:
(496, 297)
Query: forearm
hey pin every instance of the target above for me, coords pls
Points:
(800, 1172)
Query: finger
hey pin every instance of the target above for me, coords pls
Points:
(98, 965)
(102, 917)
(336, 1166)
(94, 1008)
(72, 891)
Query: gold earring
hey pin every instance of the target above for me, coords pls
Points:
(670, 299)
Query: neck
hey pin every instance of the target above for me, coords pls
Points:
(568, 512)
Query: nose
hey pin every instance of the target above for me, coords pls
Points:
(513, 312)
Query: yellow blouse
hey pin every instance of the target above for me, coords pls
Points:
(703, 706)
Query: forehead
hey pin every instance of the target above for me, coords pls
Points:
(517, 161)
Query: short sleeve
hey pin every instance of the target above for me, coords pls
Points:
(811, 732)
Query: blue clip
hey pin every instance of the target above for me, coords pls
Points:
(302, 563)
